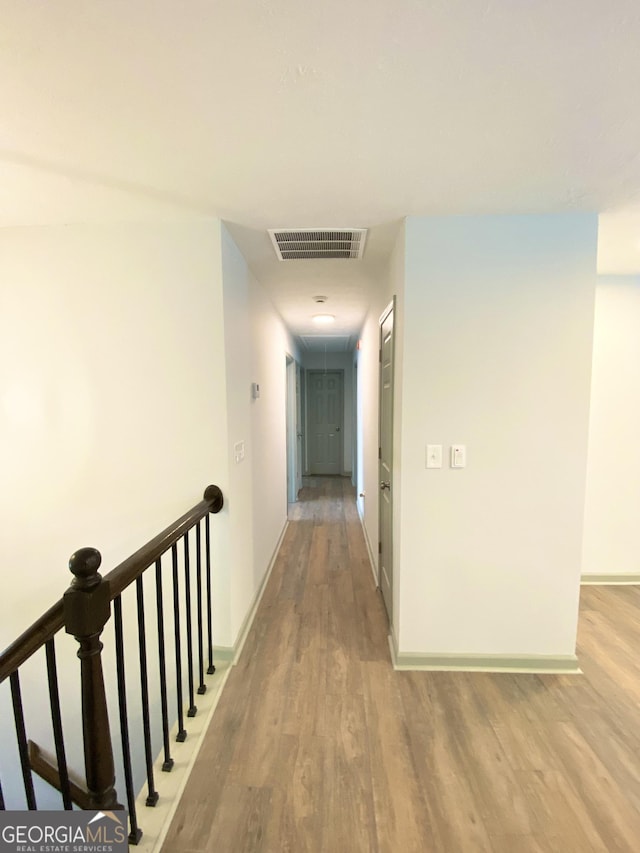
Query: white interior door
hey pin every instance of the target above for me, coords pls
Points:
(385, 454)
(325, 421)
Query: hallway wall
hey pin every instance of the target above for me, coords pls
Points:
(612, 506)
(256, 344)
(497, 354)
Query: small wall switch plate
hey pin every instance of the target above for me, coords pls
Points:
(458, 456)
(255, 390)
(434, 456)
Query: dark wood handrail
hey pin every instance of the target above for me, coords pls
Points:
(131, 568)
(31, 640)
(52, 621)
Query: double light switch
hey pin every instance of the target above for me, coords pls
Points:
(457, 459)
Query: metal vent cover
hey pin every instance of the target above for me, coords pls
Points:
(327, 343)
(294, 244)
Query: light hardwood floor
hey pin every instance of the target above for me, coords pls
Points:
(318, 745)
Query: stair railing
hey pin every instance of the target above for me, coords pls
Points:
(83, 612)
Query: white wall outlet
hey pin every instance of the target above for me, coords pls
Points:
(458, 456)
(238, 451)
(434, 456)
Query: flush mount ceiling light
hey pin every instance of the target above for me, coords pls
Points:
(324, 319)
(308, 244)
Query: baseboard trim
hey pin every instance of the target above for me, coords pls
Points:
(372, 560)
(533, 664)
(156, 821)
(610, 580)
(223, 654)
(393, 649)
(236, 650)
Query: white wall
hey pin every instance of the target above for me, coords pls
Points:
(612, 506)
(498, 320)
(256, 344)
(338, 361)
(125, 383)
(271, 345)
(112, 395)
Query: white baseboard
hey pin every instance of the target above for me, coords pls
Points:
(372, 559)
(610, 580)
(237, 647)
(155, 822)
(532, 664)
(224, 654)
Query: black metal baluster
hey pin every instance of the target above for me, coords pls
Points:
(182, 734)
(202, 687)
(152, 797)
(2, 806)
(135, 833)
(187, 582)
(168, 761)
(56, 721)
(21, 735)
(211, 669)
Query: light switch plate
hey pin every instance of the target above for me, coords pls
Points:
(458, 456)
(434, 456)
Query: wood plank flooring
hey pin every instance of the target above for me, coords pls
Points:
(318, 745)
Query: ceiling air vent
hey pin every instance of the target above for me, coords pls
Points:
(313, 243)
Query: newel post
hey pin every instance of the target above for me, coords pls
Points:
(87, 607)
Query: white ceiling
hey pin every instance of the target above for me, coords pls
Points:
(282, 113)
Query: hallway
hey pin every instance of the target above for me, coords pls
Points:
(318, 745)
